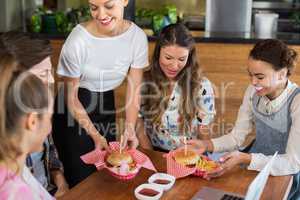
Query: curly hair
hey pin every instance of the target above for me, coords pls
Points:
(276, 53)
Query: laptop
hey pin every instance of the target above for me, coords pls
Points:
(254, 191)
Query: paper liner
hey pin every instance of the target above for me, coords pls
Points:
(98, 158)
(178, 170)
(122, 177)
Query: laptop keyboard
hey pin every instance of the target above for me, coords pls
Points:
(231, 197)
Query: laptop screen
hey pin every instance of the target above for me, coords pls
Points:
(254, 191)
(257, 185)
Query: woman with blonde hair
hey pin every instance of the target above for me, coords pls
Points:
(25, 122)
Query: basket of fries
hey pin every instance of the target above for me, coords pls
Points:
(183, 162)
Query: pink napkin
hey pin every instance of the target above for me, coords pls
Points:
(97, 157)
(175, 169)
(178, 170)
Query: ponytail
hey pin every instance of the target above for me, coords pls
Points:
(20, 93)
(7, 69)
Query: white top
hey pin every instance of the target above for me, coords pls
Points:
(102, 63)
(37, 189)
(288, 163)
(168, 135)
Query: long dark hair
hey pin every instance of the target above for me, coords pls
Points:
(188, 79)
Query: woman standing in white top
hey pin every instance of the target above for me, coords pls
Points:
(272, 105)
(95, 59)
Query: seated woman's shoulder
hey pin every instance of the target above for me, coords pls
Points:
(15, 189)
(205, 81)
(206, 84)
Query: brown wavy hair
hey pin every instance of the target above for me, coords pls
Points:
(156, 83)
(26, 49)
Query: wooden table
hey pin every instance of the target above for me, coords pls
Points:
(101, 185)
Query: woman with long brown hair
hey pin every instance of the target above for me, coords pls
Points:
(176, 100)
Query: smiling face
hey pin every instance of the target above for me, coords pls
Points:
(172, 60)
(265, 79)
(108, 14)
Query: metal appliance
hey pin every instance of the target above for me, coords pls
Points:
(229, 16)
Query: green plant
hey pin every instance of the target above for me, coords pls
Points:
(144, 13)
(156, 18)
(85, 13)
(65, 21)
(62, 22)
(296, 17)
(171, 12)
(157, 23)
(36, 19)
